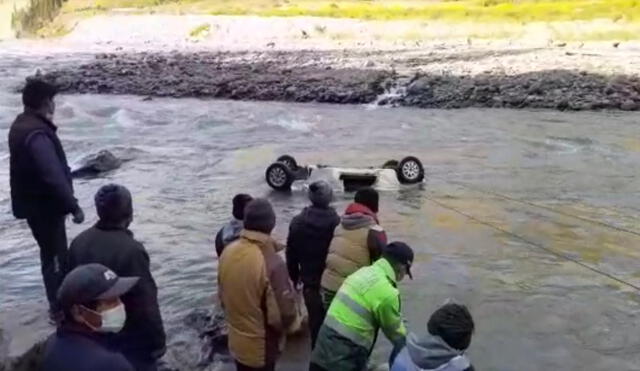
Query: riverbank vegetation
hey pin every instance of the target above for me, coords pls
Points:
(454, 10)
(625, 14)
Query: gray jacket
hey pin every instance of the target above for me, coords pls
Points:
(430, 353)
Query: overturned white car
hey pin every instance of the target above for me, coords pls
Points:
(281, 174)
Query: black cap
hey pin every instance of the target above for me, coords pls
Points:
(259, 216)
(368, 197)
(92, 282)
(401, 253)
(240, 201)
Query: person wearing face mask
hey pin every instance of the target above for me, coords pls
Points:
(367, 301)
(90, 299)
(41, 185)
(110, 243)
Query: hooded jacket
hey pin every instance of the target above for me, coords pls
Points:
(310, 234)
(430, 353)
(357, 242)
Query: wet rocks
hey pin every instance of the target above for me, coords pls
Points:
(29, 361)
(213, 332)
(562, 90)
(213, 75)
(339, 77)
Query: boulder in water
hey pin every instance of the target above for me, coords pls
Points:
(95, 164)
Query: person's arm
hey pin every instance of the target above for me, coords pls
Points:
(146, 302)
(51, 171)
(219, 243)
(390, 321)
(280, 296)
(376, 241)
(293, 263)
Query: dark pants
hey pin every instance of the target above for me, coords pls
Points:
(51, 235)
(327, 298)
(241, 367)
(142, 363)
(334, 352)
(315, 309)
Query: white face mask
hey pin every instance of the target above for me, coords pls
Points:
(113, 319)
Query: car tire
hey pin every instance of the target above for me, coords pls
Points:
(410, 171)
(279, 176)
(289, 161)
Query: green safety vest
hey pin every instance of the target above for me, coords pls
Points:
(368, 300)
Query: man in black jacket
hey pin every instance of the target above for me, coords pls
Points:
(111, 243)
(41, 186)
(310, 234)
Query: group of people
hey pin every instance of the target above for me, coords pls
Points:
(348, 274)
(104, 300)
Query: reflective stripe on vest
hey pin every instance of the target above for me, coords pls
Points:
(356, 307)
(348, 332)
(352, 312)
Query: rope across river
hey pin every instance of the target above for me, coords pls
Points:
(533, 243)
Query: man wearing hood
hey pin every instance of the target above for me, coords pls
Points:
(442, 348)
(231, 231)
(310, 234)
(358, 241)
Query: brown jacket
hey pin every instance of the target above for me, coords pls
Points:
(257, 297)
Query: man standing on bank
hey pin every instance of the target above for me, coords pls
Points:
(41, 185)
(111, 243)
(255, 292)
(310, 234)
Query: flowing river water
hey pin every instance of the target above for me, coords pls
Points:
(531, 218)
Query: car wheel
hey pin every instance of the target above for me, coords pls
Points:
(279, 176)
(410, 171)
(289, 161)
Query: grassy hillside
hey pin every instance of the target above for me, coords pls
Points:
(622, 15)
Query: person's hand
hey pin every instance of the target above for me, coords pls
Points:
(78, 216)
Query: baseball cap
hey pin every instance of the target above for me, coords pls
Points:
(91, 282)
(401, 253)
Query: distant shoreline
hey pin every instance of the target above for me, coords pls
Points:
(295, 59)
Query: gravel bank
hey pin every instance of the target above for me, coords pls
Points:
(452, 79)
(307, 59)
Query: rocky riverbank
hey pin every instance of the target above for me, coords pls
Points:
(428, 77)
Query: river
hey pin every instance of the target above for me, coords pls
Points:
(531, 218)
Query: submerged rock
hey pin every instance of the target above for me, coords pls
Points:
(95, 164)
